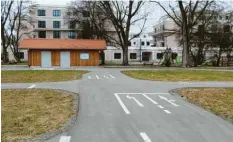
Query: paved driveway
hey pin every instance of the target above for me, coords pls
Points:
(117, 108)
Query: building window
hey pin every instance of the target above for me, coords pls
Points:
(56, 12)
(84, 56)
(162, 44)
(41, 12)
(142, 43)
(21, 55)
(227, 17)
(220, 17)
(71, 34)
(159, 55)
(134, 43)
(148, 43)
(41, 24)
(117, 55)
(72, 25)
(41, 34)
(133, 55)
(174, 55)
(56, 24)
(56, 34)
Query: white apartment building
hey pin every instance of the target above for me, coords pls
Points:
(141, 49)
(49, 22)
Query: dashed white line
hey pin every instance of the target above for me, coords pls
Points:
(65, 139)
(111, 76)
(160, 106)
(167, 111)
(154, 102)
(97, 77)
(145, 137)
(32, 86)
(122, 104)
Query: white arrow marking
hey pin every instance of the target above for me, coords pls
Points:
(145, 137)
(111, 76)
(140, 104)
(170, 101)
(154, 102)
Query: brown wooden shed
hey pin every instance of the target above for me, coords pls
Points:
(63, 52)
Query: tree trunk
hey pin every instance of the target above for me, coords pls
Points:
(102, 58)
(125, 61)
(185, 47)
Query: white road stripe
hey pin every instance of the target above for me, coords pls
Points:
(32, 86)
(154, 102)
(97, 77)
(65, 139)
(137, 101)
(144, 93)
(160, 106)
(145, 137)
(170, 101)
(122, 104)
(111, 76)
(167, 111)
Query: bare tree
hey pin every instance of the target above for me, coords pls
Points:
(123, 15)
(186, 17)
(6, 7)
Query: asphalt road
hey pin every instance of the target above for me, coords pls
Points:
(117, 108)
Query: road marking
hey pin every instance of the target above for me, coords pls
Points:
(170, 101)
(65, 139)
(32, 86)
(122, 104)
(111, 76)
(145, 93)
(154, 102)
(137, 101)
(97, 77)
(160, 106)
(167, 111)
(145, 137)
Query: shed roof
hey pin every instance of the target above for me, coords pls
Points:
(87, 44)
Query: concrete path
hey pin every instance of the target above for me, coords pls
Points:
(117, 108)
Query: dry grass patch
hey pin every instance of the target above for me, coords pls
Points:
(180, 75)
(216, 100)
(26, 76)
(27, 113)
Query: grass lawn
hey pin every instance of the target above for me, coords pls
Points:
(26, 76)
(180, 75)
(27, 113)
(216, 100)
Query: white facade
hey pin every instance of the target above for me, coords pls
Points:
(141, 49)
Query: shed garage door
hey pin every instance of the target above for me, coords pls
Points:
(65, 59)
(45, 59)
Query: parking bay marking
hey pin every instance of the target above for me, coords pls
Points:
(122, 104)
(145, 137)
(137, 101)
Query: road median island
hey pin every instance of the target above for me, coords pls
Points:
(31, 76)
(36, 114)
(179, 75)
(216, 100)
